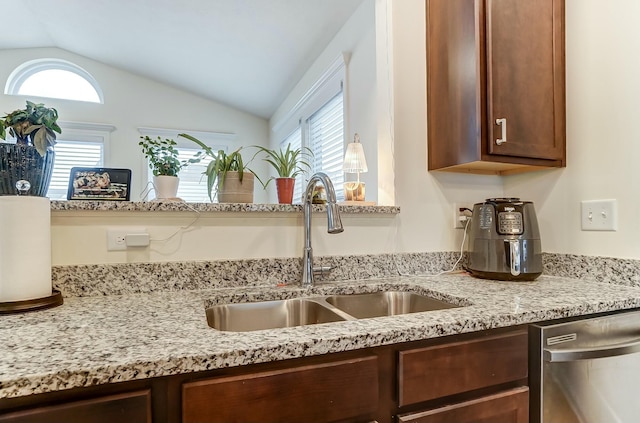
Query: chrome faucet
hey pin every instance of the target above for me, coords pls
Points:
(334, 225)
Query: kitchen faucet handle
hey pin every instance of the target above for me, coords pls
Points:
(322, 270)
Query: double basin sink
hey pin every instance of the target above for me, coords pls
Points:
(244, 317)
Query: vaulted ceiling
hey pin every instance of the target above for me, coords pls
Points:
(244, 53)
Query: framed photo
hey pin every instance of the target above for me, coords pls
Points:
(99, 183)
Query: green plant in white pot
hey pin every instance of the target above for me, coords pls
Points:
(288, 164)
(228, 176)
(31, 157)
(164, 164)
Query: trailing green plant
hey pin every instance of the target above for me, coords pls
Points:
(34, 125)
(163, 156)
(288, 163)
(221, 163)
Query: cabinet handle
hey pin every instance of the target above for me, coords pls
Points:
(502, 123)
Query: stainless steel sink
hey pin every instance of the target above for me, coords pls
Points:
(244, 317)
(389, 303)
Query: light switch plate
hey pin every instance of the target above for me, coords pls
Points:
(599, 215)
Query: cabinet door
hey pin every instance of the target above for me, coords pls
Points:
(439, 371)
(505, 407)
(525, 77)
(339, 391)
(132, 407)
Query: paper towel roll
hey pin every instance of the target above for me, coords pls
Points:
(25, 248)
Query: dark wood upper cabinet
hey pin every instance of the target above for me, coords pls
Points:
(495, 67)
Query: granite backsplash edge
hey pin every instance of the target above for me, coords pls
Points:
(132, 278)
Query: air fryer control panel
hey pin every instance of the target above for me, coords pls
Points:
(508, 215)
(510, 223)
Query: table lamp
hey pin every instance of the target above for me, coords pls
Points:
(354, 162)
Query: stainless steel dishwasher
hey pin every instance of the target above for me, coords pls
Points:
(587, 370)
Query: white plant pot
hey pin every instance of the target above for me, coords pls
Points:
(166, 187)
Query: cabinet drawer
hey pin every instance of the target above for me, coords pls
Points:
(505, 407)
(325, 392)
(133, 407)
(438, 371)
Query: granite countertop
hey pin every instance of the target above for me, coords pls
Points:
(180, 206)
(96, 340)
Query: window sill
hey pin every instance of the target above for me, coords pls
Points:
(157, 206)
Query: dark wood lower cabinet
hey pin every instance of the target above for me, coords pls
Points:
(337, 391)
(461, 366)
(479, 377)
(505, 407)
(132, 407)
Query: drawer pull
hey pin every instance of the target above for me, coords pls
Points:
(503, 124)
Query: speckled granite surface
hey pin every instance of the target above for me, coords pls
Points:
(590, 268)
(132, 278)
(174, 206)
(96, 340)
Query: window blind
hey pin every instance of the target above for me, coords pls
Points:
(326, 136)
(193, 184)
(72, 154)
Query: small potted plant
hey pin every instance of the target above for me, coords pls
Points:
(31, 157)
(227, 174)
(288, 164)
(165, 165)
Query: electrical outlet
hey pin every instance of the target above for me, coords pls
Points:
(117, 237)
(459, 218)
(116, 240)
(599, 215)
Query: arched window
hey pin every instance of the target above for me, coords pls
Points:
(53, 78)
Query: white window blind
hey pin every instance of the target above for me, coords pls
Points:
(320, 116)
(72, 154)
(82, 144)
(295, 141)
(193, 184)
(326, 136)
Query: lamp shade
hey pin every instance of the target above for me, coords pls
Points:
(354, 159)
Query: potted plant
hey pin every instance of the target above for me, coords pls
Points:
(31, 157)
(165, 165)
(227, 174)
(288, 164)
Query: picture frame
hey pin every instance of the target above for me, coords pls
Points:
(99, 183)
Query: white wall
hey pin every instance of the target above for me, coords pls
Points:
(602, 103)
(603, 134)
(426, 198)
(358, 38)
(424, 224)
(131, 102)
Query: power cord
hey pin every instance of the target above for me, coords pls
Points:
(453, 268)
(182, 228)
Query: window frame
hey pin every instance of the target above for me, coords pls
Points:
(214, 140)
(32, 67)
(87, 132)
(331, 83)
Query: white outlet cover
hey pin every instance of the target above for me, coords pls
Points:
(116, 237)
(599, 215)
(457, 223)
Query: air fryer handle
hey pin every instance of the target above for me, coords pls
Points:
(514, 256)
